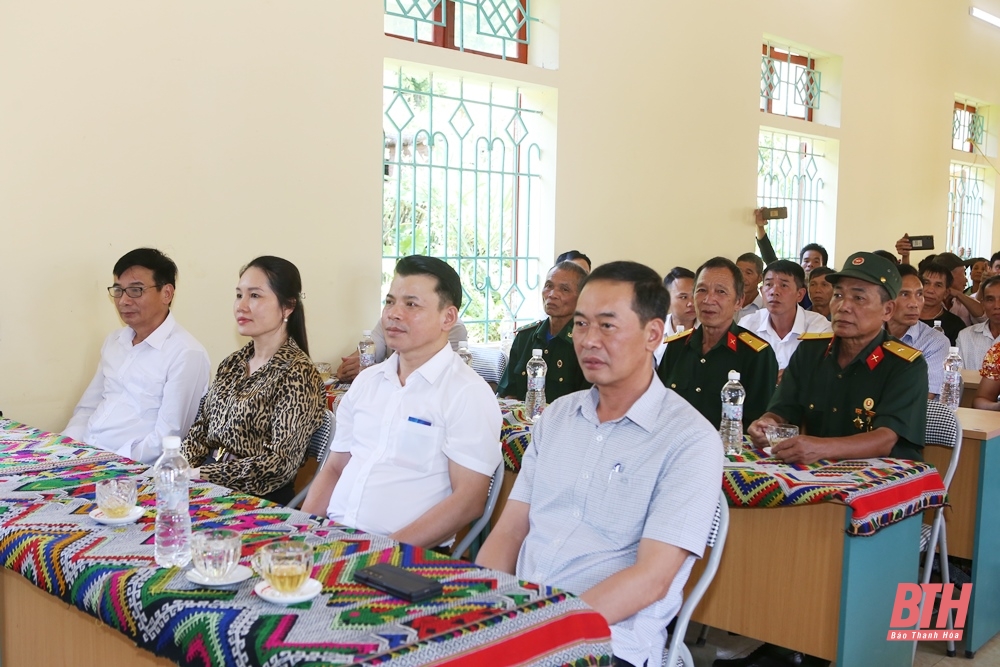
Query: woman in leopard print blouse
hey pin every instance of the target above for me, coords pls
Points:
(267, 398)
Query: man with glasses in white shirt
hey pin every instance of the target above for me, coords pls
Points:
(152, 373)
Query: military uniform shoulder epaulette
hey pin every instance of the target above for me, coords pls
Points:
(678, 335)
(755, 343)
(821, 335)
(528, 326)
(901, 350)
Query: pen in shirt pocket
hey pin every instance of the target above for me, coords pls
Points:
(416, 420)
(616, 469)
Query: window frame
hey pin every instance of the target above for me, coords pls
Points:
(444, 35)
(791, 59)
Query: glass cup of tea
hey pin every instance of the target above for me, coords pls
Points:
(325, 370)
(116, 497)
(777, 433)
(215, 553)
(285, 565)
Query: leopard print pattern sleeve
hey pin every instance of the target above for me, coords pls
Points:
(263, 420)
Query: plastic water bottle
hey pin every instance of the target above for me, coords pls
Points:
(951, 390)
(507, 334)
(937, 326)
(731, 425)
(173, 522)
(534, 401)
(463, 351)
(366, 350)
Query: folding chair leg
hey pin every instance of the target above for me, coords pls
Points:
(946, 579)
(702, 636)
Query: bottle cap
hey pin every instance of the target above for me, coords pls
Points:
(171, 442)
(937, 323)
(952, 350)
(734, 376)
(536, 352)
(366, 332)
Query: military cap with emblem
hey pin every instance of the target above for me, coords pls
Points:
(870, 268)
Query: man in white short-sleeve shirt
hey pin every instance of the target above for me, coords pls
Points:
(152, 373)
(619, 487)
(782, 321)
(418, 436)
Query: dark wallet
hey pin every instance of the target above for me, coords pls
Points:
(399, 582)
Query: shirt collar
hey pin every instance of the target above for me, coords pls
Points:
(984, 329)
(430, 370)
(542, 332)
(643, 413)
(860, 358)
(694, 340)
(156, 339)
(912, 334)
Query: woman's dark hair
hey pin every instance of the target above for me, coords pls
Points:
(286, 283)
(650, 299)
(570, 255)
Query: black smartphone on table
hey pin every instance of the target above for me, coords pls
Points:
(401, 583)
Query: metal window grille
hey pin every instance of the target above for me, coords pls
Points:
(965, 210)
(789, 83)
(967, 128)
(788, 175)
(460, 183)
(498, 28)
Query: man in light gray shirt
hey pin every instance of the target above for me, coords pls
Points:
(975, 341)
(617, 492)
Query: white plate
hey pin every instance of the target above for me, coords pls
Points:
(239, 573)
(133, 516)
(308, 591)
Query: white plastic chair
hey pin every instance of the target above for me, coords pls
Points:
(942, 429)
(489, 362)
(482, 522)
(679, 654)
(318, 448)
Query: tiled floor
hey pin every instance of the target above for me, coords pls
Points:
(929, 654)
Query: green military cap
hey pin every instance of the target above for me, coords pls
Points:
(870, 268)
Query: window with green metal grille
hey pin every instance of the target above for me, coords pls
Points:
(788, 174)
(789, 83)
(967, 186)
(460, 183)
(967, 128)
(496, 28)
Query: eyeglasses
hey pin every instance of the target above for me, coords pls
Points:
(134, 291)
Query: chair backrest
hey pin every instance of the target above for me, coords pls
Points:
(319, 443)
(717, 542)
(480, 524)
(489, 362)
(943, 429)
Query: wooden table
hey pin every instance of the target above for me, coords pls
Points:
(973, 518)
(971, 379)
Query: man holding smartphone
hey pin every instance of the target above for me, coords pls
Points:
(617, 492)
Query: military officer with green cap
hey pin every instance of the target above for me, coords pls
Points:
(553, 336)
(857, 393)
(697, 362)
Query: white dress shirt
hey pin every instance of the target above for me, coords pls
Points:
(973, 344)
(934, 346)
(401, 438)
(751, 308)
(142, 393)
(806, 321)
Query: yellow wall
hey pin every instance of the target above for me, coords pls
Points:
(221, 130)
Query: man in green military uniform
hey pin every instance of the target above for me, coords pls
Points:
(697, 362)
(553, 336)
(857, 393)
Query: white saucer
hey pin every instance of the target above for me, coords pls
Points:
(766, 450)
(239, 573)
(133, 516)
(308, 591)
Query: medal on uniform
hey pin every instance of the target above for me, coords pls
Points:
(858, 422)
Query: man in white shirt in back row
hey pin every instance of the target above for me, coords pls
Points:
(152, 373)
(418, 436)
(975, 341)
(782, 321)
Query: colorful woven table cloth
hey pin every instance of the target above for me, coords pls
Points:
(47, 535)
(515, 433)
(334, 393)
(879, 492)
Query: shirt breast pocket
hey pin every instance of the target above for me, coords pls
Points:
(609, 505)
(418, 447)
(145, 391)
